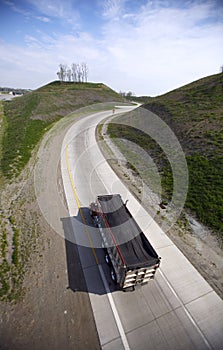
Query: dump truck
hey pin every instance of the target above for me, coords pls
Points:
(132, 259)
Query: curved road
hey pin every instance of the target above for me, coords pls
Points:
(178, 310)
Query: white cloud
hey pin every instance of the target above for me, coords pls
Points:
(16, 8)
(43, 19)
(38, 62)
(165, 48)
(149, 52)
(112, 8)
(54, 8)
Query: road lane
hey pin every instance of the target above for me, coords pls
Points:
(165, 314)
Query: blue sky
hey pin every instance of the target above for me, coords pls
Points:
(147, 47)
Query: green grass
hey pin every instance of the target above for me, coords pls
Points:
(137, 163)
(18, 143)
(195, 114)
(2, 130)
(4, 244)
(205, 196)
(22, 133)
(4, 283)
(27, 118)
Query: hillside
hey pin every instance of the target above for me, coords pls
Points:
(195, 114)
(26, 118)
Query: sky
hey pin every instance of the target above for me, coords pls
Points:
(146, 47)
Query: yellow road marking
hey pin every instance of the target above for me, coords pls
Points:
(79, 206)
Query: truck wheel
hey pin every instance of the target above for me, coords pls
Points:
(107, 259)
(113, 276)
(129, 289)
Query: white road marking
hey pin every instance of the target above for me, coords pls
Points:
(108, 292)
(114, 310)
(185, 309)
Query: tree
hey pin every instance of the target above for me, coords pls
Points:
(74, 71)
(69, 74)
(59, 75)
(84, 69)
(62, 72)
(78, 72)
(122, 93)
(129, 94)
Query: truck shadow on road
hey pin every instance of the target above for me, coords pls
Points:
(82, 258)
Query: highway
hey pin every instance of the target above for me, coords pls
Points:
(178, 309)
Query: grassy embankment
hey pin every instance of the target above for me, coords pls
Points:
(30, 116)
(2, 128)
(25, 120)
(195, 114)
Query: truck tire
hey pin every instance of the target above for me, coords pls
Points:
(113, 276)
(107, 259)
(129, 289)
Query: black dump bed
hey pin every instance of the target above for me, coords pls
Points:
(134, 247)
